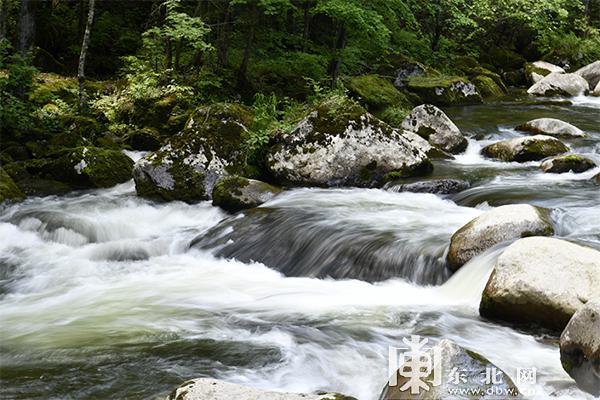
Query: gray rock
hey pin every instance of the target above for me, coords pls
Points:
(597, 90)
(541, 281)
(235, 193)
(437, 186)
(496, 226)
(433, 124)
(457, 368)
(596, 179)
(580, 347)
(213, 389)
(568, 163)
(340, 144)
(537, 70)
(552, 127)
(523, 149)
(556, 84)
(590, 73)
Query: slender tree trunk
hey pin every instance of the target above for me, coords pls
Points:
(84, 48)
(241, 78)
(26, 28)
(340, 45)
(306, 30)
(3, 17)
(169, 54)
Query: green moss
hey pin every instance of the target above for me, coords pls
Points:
(8, 189)
(375, 91)
(487, 87)
(571, 162)
(530, 68)
(50, 87)
(444, 90)
(333, 116)
(394, 115)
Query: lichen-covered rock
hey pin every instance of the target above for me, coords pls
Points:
(437, 186)
(580, 347)
(568, 163)
(591, 73)
(487, 87)
(189, 164)
(145, 139)
(541, 281)
(401, 69)
(556, 84)
(213, 389)
(448, 358)
(433, 124)
(340, 144)
(445, 90)
(376, 92)
(8, 189)
(496, 226)
(531, 148)
(541, 69)
(552, 127)
(235, 193)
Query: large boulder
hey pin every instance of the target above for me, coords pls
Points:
(235, 193)
(552, 127)
(590, 73)
(556, 84)
(541, 281)
(401, 69)
(580, 347)
(568, 163)
(448, 368)
(189, 164)
(375, 91)
(487, 87)
(437, 186)
(8, 189)
(523, 149)
(445, 90)
(432, 124)
(496, 226)
(340, 144)
(213, 389)
(537, 70)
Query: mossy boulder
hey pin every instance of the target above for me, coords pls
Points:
(376, 92)
(523, 149)
(340, 144)
(567, 163)
(433, 124)
(556, 84)
(236, 193)
(503, 59)
(49, 87)
(401, 68)
(444, 90)
(189, 164)
(536, 70)
(487, 87)
(8, 189)
(551, 127)
(145, 139)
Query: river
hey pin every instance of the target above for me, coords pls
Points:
(106, 295)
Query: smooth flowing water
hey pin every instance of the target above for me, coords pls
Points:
(106, 295)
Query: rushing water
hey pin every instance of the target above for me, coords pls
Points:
(106, 295)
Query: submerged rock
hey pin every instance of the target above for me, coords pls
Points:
(551, 127)
(449, 359)
(523, 149)
(580, 347)
(340, 144)
(571, 162)
(189, 164)
(537, 70)
(445, 90)
(8, 189)
(235, 193)
(437, 186)
(591, 73)
(496, 226)
(541, 281)
(557, 84)
(213, 389)
(433, 124)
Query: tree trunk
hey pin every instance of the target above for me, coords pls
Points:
(306, 30)
(84, 47)
(241, 78)
(26, 28)
(340, 45)
(3, 17)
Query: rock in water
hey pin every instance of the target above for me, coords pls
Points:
(597, 90)
(189, 164)
(213, 389)
(437, 186)
(580, 347)
(571, 162)
(452, 367)
(541, 281)
(552, 127)
(537, 70)
(557, 84)
(433, 124)
(590, 73)
(496, 226)
(235, 193)
(340, 144)
(8, 189)
(523, 149)
(445, 90)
